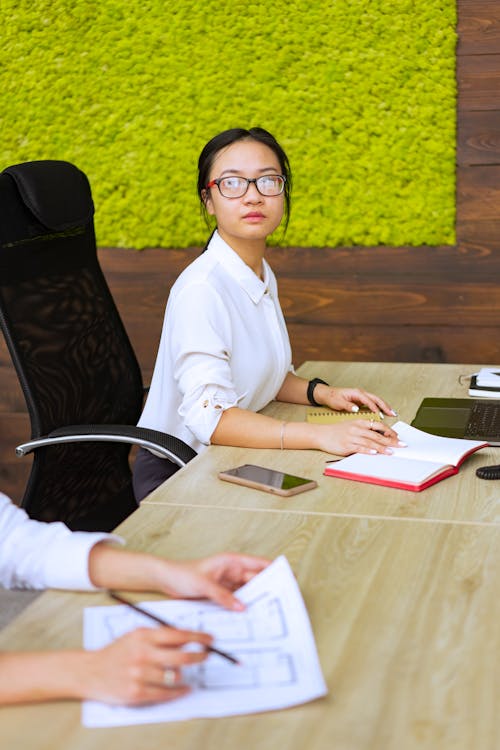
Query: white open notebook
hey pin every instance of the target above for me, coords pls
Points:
(426, 459)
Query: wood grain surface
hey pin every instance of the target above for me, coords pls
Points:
(404, 616)
(461, 498)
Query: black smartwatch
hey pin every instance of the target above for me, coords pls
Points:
(310, 390)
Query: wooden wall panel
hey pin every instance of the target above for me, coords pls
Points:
(479, 82)
(479, 138)
(481, 235)
(395, 344)
(478, 193)
(478, 27)
(399, 295)
(14, 471)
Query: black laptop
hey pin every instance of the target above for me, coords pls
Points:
(467, 418)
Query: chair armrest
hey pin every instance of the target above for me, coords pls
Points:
(161, 443)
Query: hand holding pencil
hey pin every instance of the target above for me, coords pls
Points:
(161, 621)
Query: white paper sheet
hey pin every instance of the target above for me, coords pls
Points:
(489, 376)
(272, 639)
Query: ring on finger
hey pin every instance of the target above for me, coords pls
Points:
(169, 677)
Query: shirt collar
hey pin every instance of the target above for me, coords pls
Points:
(238, 269)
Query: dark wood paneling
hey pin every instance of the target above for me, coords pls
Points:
(12, 398)
(398, 294)
(479, 138)
(478, 131)
(478, 82)
(129, 270)
(146, 282)
(478, 193)
(478, 27)
(380, 263)
(436, 301)
(398, 343)
(14, 471)
(482, 236)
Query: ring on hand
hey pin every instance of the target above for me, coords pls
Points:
(169, 677)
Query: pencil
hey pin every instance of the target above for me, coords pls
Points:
(159, 620)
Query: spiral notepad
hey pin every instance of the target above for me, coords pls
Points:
(320, 415)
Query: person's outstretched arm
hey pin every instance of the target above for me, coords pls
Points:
(247, 429)
(131, 670)
(212, 577)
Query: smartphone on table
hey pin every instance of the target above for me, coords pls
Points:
(269, 480)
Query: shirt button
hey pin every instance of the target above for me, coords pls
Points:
(205, 404)
(217, 406)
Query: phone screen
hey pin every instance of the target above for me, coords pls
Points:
(268, 476)
(278, 480)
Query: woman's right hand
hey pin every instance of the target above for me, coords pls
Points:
(357, 436)
(133, 669)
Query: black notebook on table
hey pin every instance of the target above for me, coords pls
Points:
(482, 391)
(467, 418)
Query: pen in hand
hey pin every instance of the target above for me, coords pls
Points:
(160, 621)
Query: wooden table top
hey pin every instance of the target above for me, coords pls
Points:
(460, 498)
(404, 615)
(401, 589)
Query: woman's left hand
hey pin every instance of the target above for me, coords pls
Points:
(350, 399)
(212, 577)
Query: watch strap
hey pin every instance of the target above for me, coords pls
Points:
(310, 390)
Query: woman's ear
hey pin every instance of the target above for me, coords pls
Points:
(207, 200)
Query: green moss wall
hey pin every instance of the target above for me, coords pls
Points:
(361, 93)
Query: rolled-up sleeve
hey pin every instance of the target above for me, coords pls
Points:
(202, 411)
(40, 555)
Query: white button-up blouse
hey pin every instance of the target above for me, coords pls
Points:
(224, 343)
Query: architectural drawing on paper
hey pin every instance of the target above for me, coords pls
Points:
(255, 637)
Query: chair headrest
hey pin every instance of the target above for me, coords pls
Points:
(56, 192)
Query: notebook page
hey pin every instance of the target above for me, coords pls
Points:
(423, 446)
(386, 467)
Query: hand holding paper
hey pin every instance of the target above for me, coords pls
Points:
(272, 639)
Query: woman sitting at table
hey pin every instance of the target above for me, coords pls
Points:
(224, 353)
(143, 666)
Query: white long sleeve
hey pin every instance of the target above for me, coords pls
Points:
(41, 555)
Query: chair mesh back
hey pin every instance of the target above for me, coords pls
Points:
(65, 331)
(73, 358)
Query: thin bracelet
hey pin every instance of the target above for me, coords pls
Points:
(282, 435)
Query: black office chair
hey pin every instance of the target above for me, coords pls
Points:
(75, 363)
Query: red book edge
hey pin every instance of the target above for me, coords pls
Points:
(447, 471)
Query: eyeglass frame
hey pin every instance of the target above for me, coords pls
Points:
(249, 180)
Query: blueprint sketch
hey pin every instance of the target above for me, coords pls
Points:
(272, 639)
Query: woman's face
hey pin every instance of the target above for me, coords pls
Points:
(253, 216)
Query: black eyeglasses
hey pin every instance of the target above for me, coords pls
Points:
(236, 187)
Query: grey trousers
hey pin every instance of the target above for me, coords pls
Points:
(149, 472)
